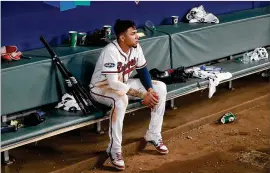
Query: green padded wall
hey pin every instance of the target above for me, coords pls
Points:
(237, 32)
(31, 83)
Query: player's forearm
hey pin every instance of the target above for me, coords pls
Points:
(115, 84)
(135, 93)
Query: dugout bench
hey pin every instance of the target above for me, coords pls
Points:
(29, 84)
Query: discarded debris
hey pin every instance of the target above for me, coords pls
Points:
(189, 137)
(227, 118)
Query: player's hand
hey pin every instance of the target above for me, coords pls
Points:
(150, 99)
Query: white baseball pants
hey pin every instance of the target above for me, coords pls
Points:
(105, 95)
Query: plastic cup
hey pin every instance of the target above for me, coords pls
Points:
(73, 38)
(174, 20)
(82, 38)
(108, 30)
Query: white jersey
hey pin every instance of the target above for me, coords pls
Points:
(113, 60)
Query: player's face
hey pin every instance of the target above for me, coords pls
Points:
(131, 37)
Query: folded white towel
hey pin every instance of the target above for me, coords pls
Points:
(199, 15)
(214, 82)
(214, 77)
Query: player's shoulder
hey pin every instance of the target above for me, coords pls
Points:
(110, 48)
(139, 48)
(138, 45)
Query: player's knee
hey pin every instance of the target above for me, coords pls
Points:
(161, 88)
(122, 102)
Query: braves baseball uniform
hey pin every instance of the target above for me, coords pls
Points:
(113, 60)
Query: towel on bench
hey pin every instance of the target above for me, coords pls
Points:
(214, 77)
(257, 54)
(68, 103)
(199, 15)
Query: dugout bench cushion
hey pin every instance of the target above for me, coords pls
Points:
(54, 120)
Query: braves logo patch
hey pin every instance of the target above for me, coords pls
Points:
(109, 65)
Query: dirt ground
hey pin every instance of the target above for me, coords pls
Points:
(239, 147)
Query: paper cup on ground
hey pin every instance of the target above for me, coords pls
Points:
(108, 30)
(174, 20)
(73, 38)
(82, 38)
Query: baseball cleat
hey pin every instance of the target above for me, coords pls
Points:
(117, 160)
(158, 144)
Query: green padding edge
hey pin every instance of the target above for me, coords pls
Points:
(55, 120)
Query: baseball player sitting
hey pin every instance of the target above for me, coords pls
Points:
(110, 85)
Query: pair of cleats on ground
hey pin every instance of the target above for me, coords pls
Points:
(117, 158)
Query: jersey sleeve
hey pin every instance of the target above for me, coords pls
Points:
(109, 64)
(141, 62)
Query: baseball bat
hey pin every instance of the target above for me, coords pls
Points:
(88, 98)
(70, 80)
